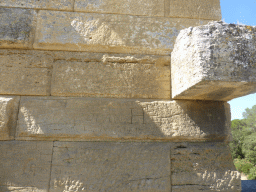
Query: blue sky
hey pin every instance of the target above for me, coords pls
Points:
(239, 12)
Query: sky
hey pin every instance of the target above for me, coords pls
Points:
(239, 12)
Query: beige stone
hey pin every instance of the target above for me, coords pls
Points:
(40, 4)
(197, 9)
(108, 166)
(108, 32)
(25, 72)
(216, 61)
(120, 76)
(17, 27)
(205, 166)
(129, 7)
(8, 116)
(25, 166)
(59, 118)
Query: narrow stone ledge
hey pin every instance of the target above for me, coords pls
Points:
(101, 119)
(8, 116)
(17, 27)
(214, 62)
(112, 33)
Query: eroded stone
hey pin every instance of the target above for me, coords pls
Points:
(8, 117)
(214, 62)
(59, 118)
(17, 27)
(91, 166)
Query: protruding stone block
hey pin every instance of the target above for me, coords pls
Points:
(110, 33)
(17, 27)
(25, 166)
(109, 166)
(40, 4)
(82, 119)
(204, 167)
(130, 7)
(216, 61)
(197, 9)
(8, 117)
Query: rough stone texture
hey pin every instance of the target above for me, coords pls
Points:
(56, 118)
(197, 9)
(108, 32)
(120, 76)
(214, 62)
(87, 166)
(8, 117)
(17, 27)
(40, 4)
(203, 167)
(129, 7)
(25, 166)
(25, 72)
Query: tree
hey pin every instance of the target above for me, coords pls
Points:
(250, 117)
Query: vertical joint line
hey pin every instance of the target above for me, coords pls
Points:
(131, 116)
(73, 7)
(49, 182)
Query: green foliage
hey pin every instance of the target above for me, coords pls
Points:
(252, 174)
(249, 147)
(250, 118)
(243, 165)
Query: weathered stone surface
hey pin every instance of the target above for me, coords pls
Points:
(40, 4)
(198, 9)
(121, 76)
(17, 27)
(91, 166)
(129, 7)
(58, 118)
(214, 62)
(25, 166)
(25, 72)
(204, 167)
(108, 32)
(8, 117)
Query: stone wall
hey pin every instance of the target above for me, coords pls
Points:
(85, 100)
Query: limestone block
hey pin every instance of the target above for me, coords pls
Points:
(8, 116)
(197, 9)
(108, 32)
(25, 166)
(204, 167)
(25, 72)
(17, 27)
(129, 7)
(40, 4)
(108, 166)
(107, 75)
(214, 62)
(70, 119)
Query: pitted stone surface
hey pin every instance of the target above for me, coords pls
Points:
(59, 118)
(108, 32)
(25, 166)
(108, 166)
(214, 62)
(204, 167)
(17, 27)
(8, 116)
(131, 7)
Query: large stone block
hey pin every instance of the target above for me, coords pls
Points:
(17, 27)
(204, 167)
(8, 117)
(58, 118)
(25, 72)
(121, 76)
(197, 9)
(40, 4)
(25, 166)
(214, 62)
(108, 32)
(129, 7)
(91, 166)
